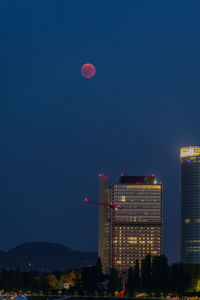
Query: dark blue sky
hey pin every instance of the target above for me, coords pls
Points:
(59, 130)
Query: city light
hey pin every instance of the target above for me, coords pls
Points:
(189, 151)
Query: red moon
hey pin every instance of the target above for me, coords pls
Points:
(88, 70)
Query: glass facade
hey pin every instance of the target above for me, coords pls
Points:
(190, 205)
(137, 227)
(135, 230)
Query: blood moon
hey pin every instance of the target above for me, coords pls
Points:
(88, 70)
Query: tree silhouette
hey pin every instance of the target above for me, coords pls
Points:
(114, 282)
(159, 273)
(130, 286)
(146, 274)
(137, 275)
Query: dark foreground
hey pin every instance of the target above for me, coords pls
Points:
(86, 298)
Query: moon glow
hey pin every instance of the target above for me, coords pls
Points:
(88, 71)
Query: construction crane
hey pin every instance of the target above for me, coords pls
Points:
(110, 204)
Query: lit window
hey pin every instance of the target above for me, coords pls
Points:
(187, 221)
(123, 198)
(118, 262)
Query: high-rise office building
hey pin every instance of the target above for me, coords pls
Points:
(190, 204)
(132, 224)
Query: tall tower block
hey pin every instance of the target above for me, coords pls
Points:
(190, 204)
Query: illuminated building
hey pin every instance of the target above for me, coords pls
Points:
(104, 234)
(190, 204)
(135, 230)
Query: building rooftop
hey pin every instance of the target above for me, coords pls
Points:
(189, 151)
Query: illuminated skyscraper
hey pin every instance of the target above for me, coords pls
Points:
(132, 223)
(190, 204)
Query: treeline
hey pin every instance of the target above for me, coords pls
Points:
(154, 277)
(33, 281)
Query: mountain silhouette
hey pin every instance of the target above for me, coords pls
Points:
(45, 256)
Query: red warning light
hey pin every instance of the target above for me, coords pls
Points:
(137, 182)
(122, 175)
(101, 174)
(153, 175)
(160, 182)
(86, 200)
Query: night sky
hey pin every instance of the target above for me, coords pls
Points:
(58, 130)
